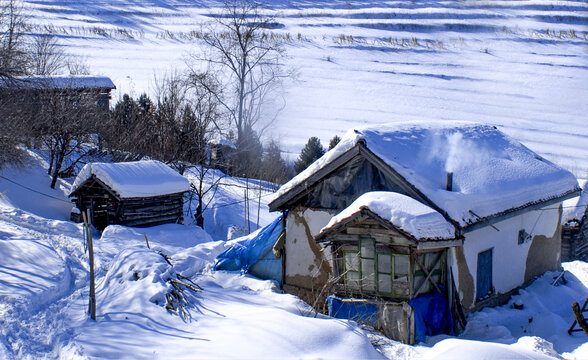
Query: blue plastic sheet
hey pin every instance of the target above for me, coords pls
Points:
(359, 311)
(254, 255)
(432, 316)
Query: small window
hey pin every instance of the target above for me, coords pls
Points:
(523, 236)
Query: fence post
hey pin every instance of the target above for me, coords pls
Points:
(92, 303)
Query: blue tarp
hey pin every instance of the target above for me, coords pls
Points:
(254, 255)
(359, 311)
(432, 316)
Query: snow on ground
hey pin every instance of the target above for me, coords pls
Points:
(519, 65)
(44, 282)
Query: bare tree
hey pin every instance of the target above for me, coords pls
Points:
(63, 119)
(46, 56)
(12, 26)
(237, 45)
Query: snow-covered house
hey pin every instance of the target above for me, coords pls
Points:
(397, 212)
(138, 193)
(574, 232)
(23, 89)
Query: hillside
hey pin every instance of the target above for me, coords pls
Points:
(519, 65)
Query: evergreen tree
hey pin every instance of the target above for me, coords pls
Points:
(334, 141)
(311, 152)
(273, 166)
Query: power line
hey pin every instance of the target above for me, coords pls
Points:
(33, 190)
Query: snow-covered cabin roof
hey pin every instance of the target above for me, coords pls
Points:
(77, 82)
(405, 213)
(492, 173)
(134, 179)
(223, 142)
(574, 209)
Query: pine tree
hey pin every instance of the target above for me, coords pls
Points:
(273, 166)
(311, 152)
(334, 141)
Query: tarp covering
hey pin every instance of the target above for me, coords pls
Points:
(254, 254)
(432, 316)
(352, 309)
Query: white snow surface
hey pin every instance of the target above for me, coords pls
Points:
(44, 280)
(60, 82)
(492, 172)
(574, 209)
(519, 65)
(404, 212)
(144, 178)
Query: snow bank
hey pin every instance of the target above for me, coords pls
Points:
(492, 173)
(409, 215)
(134, 179)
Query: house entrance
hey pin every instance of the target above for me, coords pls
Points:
(484, 275)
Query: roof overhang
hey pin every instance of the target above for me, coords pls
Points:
(421, 244)
(495, 218)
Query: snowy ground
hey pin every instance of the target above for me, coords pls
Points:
(520, 65)
(44, 282)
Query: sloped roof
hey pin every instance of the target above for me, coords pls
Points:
(134, 179)
(405, 213)
(575, 209)
(77, 82)
(492, 173)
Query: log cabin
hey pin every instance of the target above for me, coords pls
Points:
(137, 193)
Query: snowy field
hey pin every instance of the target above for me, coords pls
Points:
(44, 285)
(519, 65)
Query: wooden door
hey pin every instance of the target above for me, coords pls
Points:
(484, 275)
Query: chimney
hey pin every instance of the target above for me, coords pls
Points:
(449, 186)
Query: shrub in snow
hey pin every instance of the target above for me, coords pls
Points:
(138, 275)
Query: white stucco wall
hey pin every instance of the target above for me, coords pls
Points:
(301, 226)
(509, 259)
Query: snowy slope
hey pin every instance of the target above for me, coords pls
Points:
(520, 65)
(44, 282)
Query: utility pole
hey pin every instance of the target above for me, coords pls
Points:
(87, 226)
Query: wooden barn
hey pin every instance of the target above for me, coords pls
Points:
(574, 232)
(139, 193)
(420, 219)
(25, 96)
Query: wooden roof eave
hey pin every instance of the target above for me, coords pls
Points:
(98, 181)
(510, 213)
(422, 244)
(360, 149)
(298, 191)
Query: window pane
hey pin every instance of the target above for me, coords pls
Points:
(400, 265)
(351, 261)
(367, 248)
(352, 280)
(384, 283)
(368, 274)
(385, 263)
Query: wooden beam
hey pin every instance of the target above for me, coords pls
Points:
(429, 274)
(439, 244)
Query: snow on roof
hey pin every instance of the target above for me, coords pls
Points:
(404, 212)
(134, 179)
(574, 209)
(492, 172)
(58, 82)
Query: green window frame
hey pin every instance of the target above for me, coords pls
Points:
(370, 271)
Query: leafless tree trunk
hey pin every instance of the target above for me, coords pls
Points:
(46, 57)
(237, 45)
